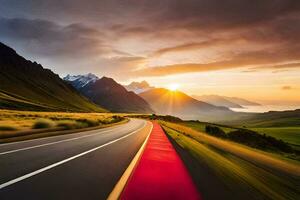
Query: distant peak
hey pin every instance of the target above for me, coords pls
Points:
(79, 81)
(107, 78)
(138, 87)
(145, 83)
(91, 75)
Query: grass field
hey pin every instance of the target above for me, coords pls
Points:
(288, 134)
(14, 122)
(289, 118)
(258, 174)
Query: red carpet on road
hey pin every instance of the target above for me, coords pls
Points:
(160, 173)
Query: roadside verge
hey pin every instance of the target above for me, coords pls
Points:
(40, 133)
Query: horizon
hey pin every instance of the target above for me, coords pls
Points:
(248, 50)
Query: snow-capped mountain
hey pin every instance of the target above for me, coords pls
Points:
(108, 93)
(79, 81)
(138, 87)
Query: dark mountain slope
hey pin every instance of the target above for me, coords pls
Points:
(109, 94)
(179, 104)
(27, 85)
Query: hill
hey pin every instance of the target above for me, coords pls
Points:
(241, 101)
(179, 104)
(109, 94)
(217, 101)
(230, 102)
(26, 85)
(290, 118)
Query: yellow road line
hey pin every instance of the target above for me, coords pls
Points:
(116, 192)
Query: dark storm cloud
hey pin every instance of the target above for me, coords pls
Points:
(264, 32)
(50, 39)
(213, 14)
(198, 14)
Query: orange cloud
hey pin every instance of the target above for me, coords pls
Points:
(196, 45)
(286, 87)
(254, 60)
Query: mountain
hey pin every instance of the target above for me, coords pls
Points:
(138, 87)
(80, 81)
(109, 94)
(26, 85)
(230, 102)
(179, 104)
(217, 101)
(242, 102)
(288, 118)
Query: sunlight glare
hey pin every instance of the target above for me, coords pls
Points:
(173, 87)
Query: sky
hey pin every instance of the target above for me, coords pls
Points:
(245, 48)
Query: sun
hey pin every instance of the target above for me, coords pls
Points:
(173, 87)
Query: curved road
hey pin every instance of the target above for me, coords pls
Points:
(84, 165)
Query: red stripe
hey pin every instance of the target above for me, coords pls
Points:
(160, 173)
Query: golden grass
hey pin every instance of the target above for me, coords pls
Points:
(24, 120)
(31, 134)
(239, 150)
(235, 172)
(18, 125)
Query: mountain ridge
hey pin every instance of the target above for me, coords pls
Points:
(179, 104)
(230, 102)
(109, 94)
(26, 85)
(79, 81)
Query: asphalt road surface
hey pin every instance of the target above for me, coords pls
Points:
(84, 165)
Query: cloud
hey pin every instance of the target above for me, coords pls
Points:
(117, 35)
(255, 60)
(286, 87)
(48, 39)
(192, 46)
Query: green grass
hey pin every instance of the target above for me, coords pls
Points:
(268, 119)
(7, 128)
(44, 92)
(43, 123)
(71, 124)
(240, 168)
(288, 134)
(26, 85)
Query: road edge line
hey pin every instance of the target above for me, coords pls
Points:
(57, 142)
(13, 181)
(119, 187)
(54, 134)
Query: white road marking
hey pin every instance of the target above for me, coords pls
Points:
(51, 143)
(65, 160)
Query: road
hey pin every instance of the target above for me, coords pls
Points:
(84, 165)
